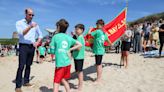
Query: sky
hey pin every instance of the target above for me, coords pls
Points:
(48, 12)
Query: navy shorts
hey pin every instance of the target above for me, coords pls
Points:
(79, 64)
(98, 59)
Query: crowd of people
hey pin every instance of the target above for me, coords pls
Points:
(144, 35)
(141, 38)
(6, 50)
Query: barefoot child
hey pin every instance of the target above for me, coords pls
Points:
(42, 52)
(98, 47)
(78, 55)
(60, 46)
(37, 52)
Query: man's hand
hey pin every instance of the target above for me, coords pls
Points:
(33, 24)
(35, 44)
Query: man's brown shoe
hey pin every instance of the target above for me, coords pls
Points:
(18, 90)
(27, 85)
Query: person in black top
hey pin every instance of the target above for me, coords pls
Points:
(161, 38)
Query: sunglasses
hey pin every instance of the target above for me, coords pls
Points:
(30, 15)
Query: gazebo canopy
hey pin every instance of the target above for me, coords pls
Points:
(50, 30)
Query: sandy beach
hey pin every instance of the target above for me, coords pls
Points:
(142, 75)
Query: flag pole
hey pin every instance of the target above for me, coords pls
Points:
(126, 10)
(126, 3)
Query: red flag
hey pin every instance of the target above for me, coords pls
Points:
(116, 28)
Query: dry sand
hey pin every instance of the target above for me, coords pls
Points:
(142, 75)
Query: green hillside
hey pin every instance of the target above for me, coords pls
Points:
(150, 18)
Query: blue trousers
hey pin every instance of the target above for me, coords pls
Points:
(137, 44)
(26, 54)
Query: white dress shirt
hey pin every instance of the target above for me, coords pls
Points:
(32, 34)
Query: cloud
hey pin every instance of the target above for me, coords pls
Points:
(70, 2)
(106, 2)
(43, 10)
(3, 8)
(60, 3)
(3, 5)
(133, 15)
(3, 2)
(7, 23)
(140, 13)
(40, 2)
(45, 3)
(144, 13)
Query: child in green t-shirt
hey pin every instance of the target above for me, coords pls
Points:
(98, 47)
(61, 46)
(78, 55)
(42, 52)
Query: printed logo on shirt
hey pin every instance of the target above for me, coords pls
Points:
(64, 44)
(102, 39)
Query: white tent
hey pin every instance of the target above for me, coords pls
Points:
(50, 30)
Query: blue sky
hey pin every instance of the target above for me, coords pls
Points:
(47, 12)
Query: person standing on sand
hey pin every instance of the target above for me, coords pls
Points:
(125, 47)
(146, 33)
(137, 39)
(161, 38)
(98, 47)
(61, 46)
(79, 54)
(27, 31)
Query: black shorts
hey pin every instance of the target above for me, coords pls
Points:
(41, 56)
(125, 46)
(146, 37)
(79, 64)
(98, 59)
(161, 39)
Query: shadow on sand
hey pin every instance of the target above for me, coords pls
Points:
(31, 78)
(89, 70)
(45, 89)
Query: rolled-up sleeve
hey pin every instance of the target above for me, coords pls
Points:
(39, 32)
(19, 28)
(94, 33)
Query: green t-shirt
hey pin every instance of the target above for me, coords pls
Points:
(42, 50)
(79, 54)
(60, 44)
(48, 50)
(98, 42)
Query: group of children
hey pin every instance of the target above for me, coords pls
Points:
(62, 45)
(43, 51)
